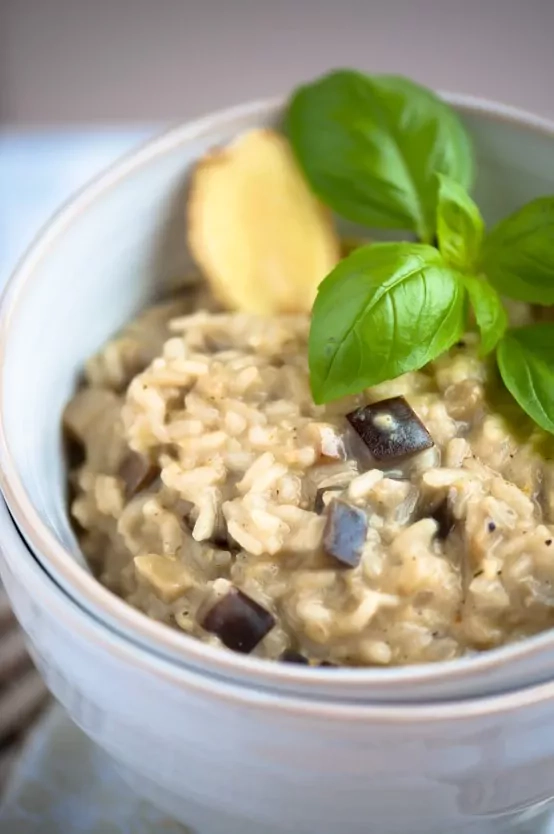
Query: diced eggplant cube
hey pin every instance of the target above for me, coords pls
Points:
(290, 656)
(137, 473)
(444, 518)
(319, 504)
(74, 448)
(345, 533)
(238, 621)
(390, 429)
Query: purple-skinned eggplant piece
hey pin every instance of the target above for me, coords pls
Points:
(345, 533)
(238, 621)
(390, 429)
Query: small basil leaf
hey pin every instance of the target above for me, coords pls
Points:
(490, 315)
(518, 255)
(460, 226)
(386, 309)
(369, 147)
(526, 362)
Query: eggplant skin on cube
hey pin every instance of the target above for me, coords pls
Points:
(319, 505)
(345, 533)
(390, 429)
(137, 473)
(291, 656)
(238, 621)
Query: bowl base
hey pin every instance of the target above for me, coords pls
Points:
(60, 768)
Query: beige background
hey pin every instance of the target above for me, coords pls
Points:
(148, 60)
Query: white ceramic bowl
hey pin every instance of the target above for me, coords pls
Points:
(291, 744)
(99, 261)
(232, 759)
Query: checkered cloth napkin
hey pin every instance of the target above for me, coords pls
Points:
(22, 693)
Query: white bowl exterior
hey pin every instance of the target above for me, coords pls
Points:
(224, 758)
(90, 271)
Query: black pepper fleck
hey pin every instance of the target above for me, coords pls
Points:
(548, 542)
(491, 526)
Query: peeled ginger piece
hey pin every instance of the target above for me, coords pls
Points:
(262, 239)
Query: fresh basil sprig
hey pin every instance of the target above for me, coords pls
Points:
(518, 254)
(370, 147)
(460, 227)
(526, 362)
(386, 309)
(385, 152)
(488, 310)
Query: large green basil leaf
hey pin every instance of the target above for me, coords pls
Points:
(526, 362)
(518, 254)
(460, 226)
(490, 315)
(386, 309)
(370, 147)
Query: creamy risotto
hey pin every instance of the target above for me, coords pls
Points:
(411, 523)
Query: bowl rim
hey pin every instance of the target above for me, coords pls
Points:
(82, 586)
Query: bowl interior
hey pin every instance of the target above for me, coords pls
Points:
(120, 243)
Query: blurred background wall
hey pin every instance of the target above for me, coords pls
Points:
(75, 61)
